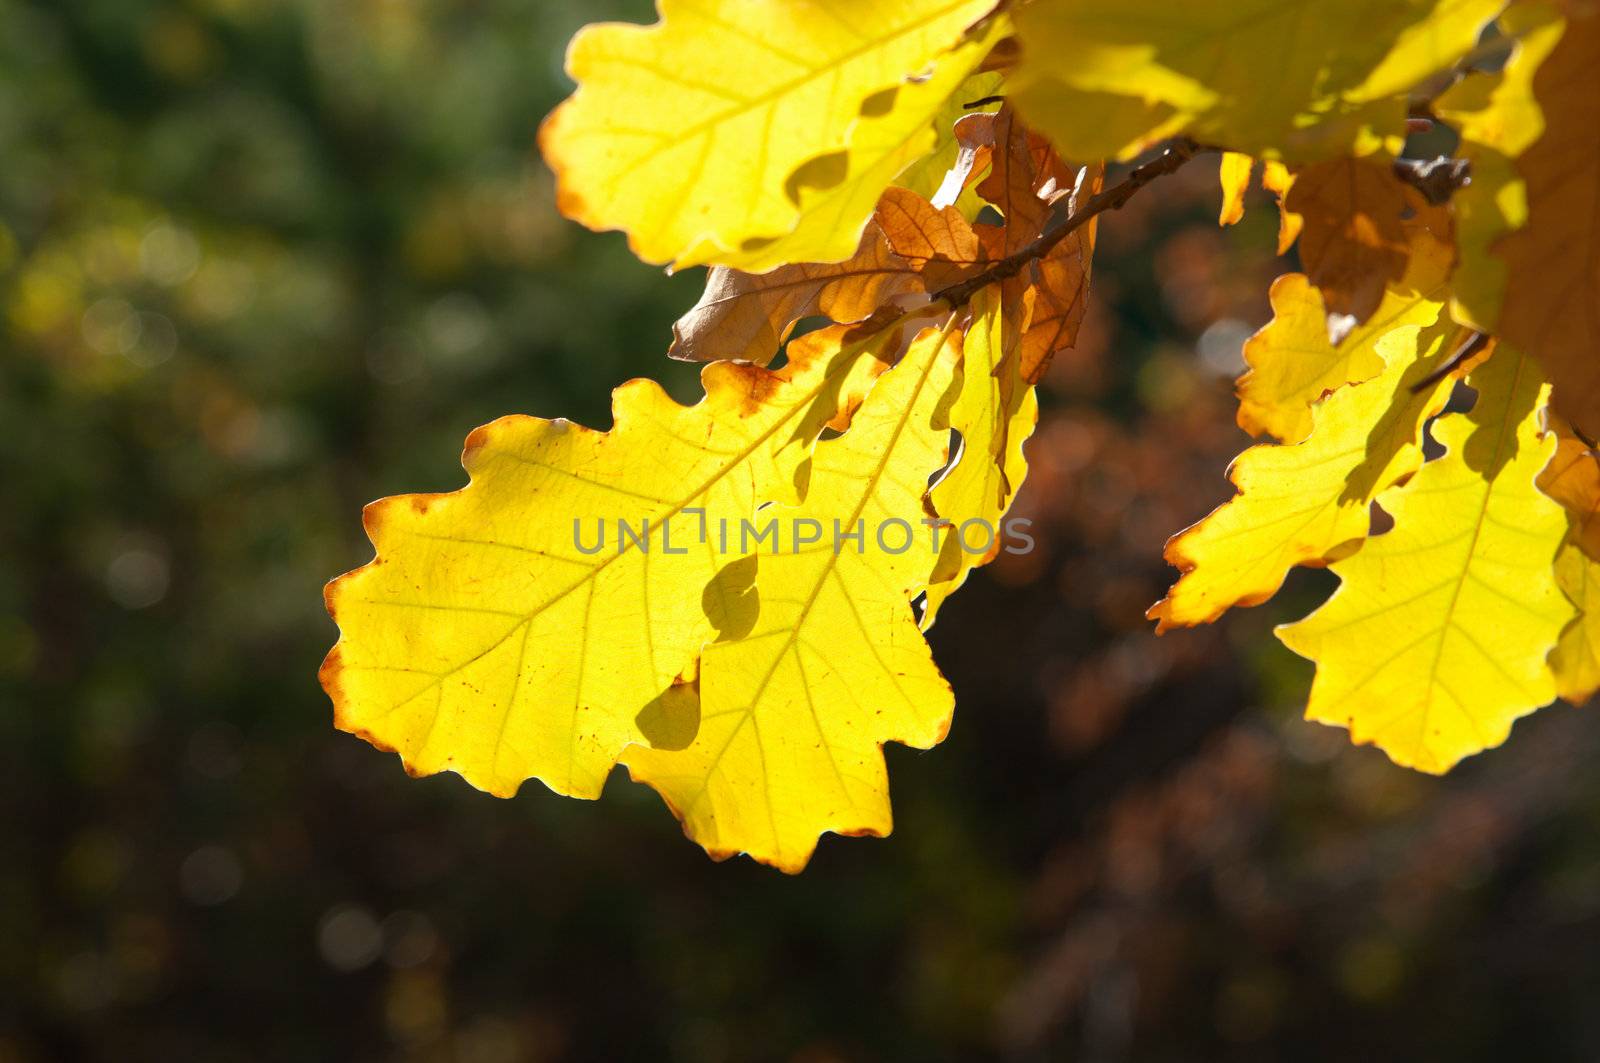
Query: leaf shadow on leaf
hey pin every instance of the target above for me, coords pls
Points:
(672, 718)
(1493, 442)
(1362, 483)
(731, 601)
(818, 174)
(879, 103)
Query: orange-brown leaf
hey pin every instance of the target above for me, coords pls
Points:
(939, 243)
(1573, 479)
(1060, 291)
(1354, 241)
(748, 315)
(1552, 298)
(1022, 166)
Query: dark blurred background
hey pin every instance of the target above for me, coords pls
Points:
(262, 261)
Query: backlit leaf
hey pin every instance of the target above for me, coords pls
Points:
(940, 244)
(1233, 172)
(1304, 504)
(1044, 302)
(1575, 662)
(748, 315)
(793, 713)
(487, 638)
(751, 133)
(1300, 80)
(1437, 637)
(882, 145)
(1292, 361)
(995, 413)
(1279, 179)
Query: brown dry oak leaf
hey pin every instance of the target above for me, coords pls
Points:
(1046, 300)
(748, 316)
(940, 244)
(1353, 244)
(1552, 298)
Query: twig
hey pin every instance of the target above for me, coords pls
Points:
(1473, 344)
(1177, 153)
(1437, 179)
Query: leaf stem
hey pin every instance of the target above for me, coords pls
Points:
(1178, 152)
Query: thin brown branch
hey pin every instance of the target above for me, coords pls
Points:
(1437, 179)
(1473, 344)
(1177, 153)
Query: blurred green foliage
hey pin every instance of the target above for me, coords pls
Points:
(262, 261)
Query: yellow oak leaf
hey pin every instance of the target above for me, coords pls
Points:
(833, 200)
(995, 412)
(1233, 172)
(750, 133)
(1292, 361)
(1279, 179)
(1498, 119)
(1551, 307)
(1436, 639)
(511, 629)
(793, 713)
(1305, 504)
(747, 316)
(1274, 79)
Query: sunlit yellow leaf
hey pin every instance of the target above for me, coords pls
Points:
(510, 630)
(1293, 363)
(1234, 174)
(834, 201)
(750, 133)
(1437, 637)
(1298, 80)
(1278, 179)
(995, 413)
(793, 712)
(1303, 504)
